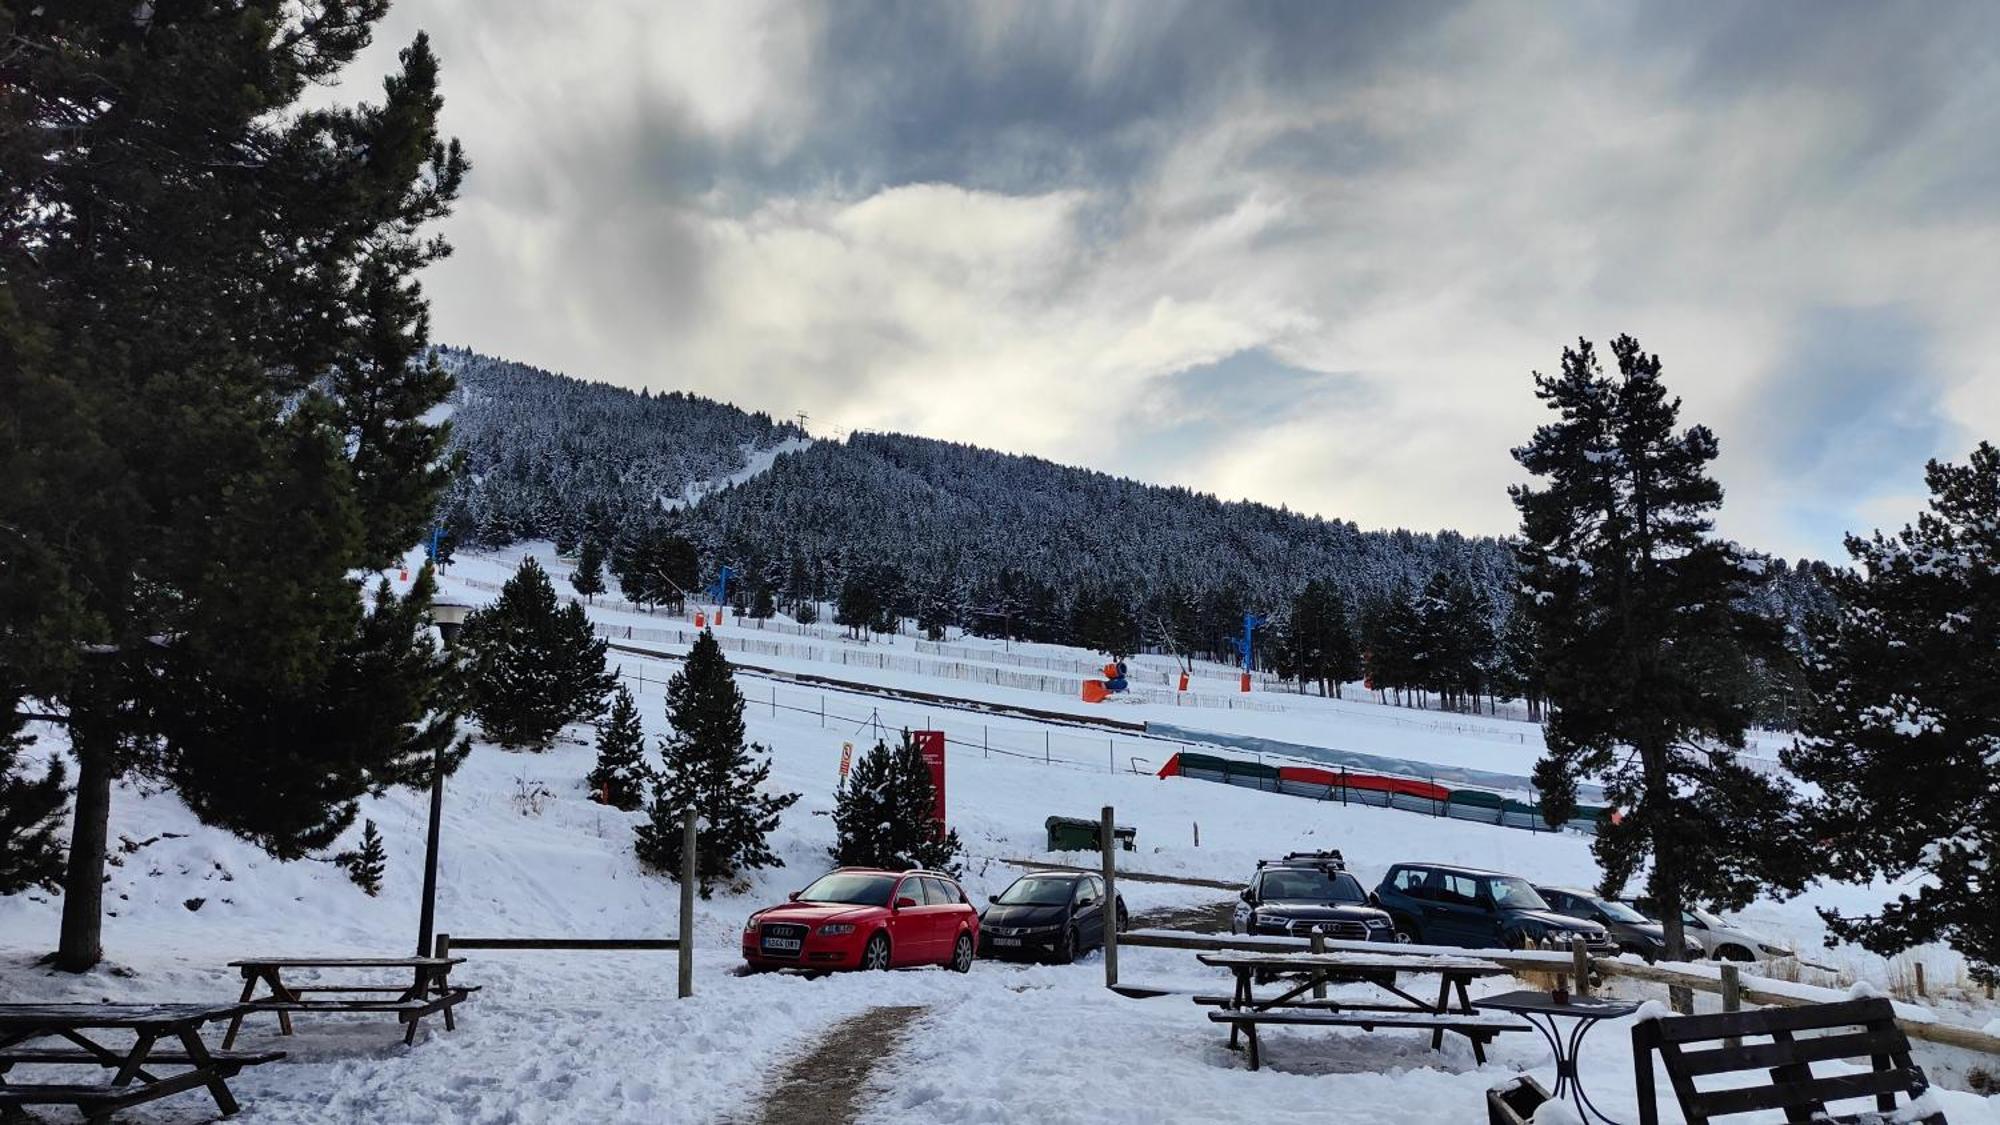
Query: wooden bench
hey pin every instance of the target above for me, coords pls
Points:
(428, 993)
(133, 1080)
(1480, 1027)
(1693, 1047)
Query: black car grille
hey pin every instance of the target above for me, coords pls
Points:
(781, 930)
(1335, 928)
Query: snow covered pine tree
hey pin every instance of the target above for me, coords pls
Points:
(1904, 738)
(620, 776)
(882, 817)
(1640, 615)
(708, 768)
(30, 808)
(533, 666)
(366, 866)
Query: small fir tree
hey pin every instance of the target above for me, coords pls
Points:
(620, 777)
(588, 577)
(882, 816)
(30, 808)
(533, 665)
(1903, 739)
(762, 604)
(709, 768)
(366, 866)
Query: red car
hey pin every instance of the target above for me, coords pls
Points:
(862, 918)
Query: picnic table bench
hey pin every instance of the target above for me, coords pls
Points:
(429, 992)
(133, 1079)
(1243, 1011)
(1851, 1029)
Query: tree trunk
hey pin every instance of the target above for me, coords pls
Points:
(95, 743)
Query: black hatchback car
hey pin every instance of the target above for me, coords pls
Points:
(1307, 892)
(1054, 915)
(1439, 905)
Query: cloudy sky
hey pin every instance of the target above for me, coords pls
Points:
(1305, 253)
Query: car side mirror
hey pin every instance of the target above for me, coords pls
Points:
(793, 897)
(994, 899)
(1083, 902)
(1374, 899)
(905, 900)
(1246, 896)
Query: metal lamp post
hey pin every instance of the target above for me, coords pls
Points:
(449, 618)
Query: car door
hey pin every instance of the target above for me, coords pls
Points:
(1087, 910)
(910, 923)
(1452, 915)
(945, 916)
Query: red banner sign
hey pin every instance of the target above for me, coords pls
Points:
(846, 760)
(930, 743)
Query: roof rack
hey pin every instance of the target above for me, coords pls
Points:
(1331, 858)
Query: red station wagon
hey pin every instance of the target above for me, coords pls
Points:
(862, 918)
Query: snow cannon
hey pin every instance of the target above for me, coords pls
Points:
(1115, 680)
(1094, 691)
(1184, 681)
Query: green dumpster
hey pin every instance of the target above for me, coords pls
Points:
(1075, 834)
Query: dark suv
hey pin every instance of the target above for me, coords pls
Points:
(1633, 931)
(1306, 892)
(1463, 906)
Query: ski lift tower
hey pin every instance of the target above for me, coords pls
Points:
(719, 590)
(1244, 644)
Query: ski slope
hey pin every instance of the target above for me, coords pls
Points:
(596, 1037)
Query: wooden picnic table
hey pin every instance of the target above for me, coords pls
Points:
(133, 1079)
(1244, 1011)
(430, 990)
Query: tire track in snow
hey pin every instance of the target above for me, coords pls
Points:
(821, 1086)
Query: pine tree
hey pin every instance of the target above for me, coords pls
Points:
(710, 769)
(882, 817)
(533, 665)
(380, 713)
(1904, 738)
(1640, 614)
(1318, 641)
(213, 418)
(366, 866)
(588, 577)
(30, 807)
(620, 776)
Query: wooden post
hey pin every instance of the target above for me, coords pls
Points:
(686, 936)
(427, 909)
(1921, 990)
(1197, 843)
(1108, 843)
(1732, 997)
(1579, 957)
(1319, 978)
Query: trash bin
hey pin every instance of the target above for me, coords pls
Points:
(1516, 1102)
(1075, 834)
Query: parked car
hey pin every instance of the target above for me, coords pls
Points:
(1464, 906)
(1633, 931)
(1307, 892)
(1051, 914)
(864, 918)
(1710, 936)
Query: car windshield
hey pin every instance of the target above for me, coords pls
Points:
(1313, 884)
(1037, 892)
(1709, 920)
(1514, 893)
(1619, 912)
(853, 890)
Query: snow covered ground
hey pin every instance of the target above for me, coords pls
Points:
(597, 1037)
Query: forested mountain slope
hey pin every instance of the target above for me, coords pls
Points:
(545, 453)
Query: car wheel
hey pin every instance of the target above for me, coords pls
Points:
(961, 954)
(1123, 920)
(1411, 932)
(1066, 947)
(876, 955)
(1516, 940)
(1733, 953)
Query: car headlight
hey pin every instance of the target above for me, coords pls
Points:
(1774, 951)
(750, 925)
(1376, 923)
(837, 928)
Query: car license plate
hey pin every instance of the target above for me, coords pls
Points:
(1006, 941)
(787, 944)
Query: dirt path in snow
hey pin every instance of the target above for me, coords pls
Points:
(821, 1086)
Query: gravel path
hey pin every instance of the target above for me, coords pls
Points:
(821, 1086)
